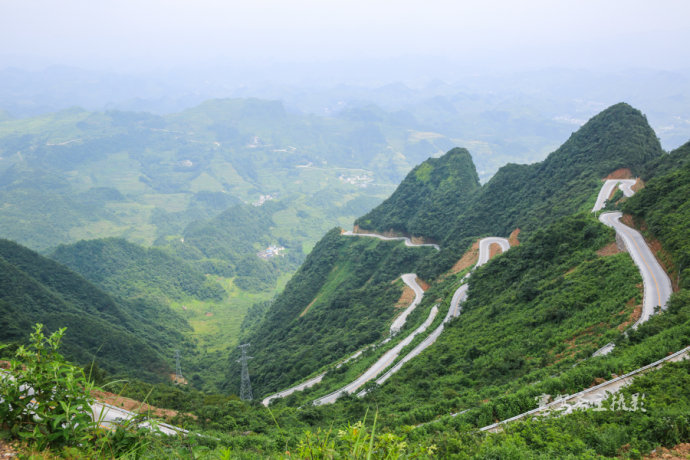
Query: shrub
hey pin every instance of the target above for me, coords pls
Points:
(45, 400)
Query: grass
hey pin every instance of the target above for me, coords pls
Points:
(220, 330)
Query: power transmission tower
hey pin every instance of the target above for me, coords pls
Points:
(246, 388)
(178, 368)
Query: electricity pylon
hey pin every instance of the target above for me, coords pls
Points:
(246, 387)
(178, 368)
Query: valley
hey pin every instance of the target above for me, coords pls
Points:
(489, 325)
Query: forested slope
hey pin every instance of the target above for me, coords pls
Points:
(662, 209)
(340, 299)
(121, 336)
(550, 301)
(522, 196)
(519, 196)
(530, 196)
(128, 270)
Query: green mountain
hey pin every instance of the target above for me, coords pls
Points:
(127, 270)
(145, 177)
(527, 331)
(441, 200)
(430, 196)
(529, 196)
(121, 336)
(336, 303)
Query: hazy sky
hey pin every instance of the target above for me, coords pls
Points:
(495, 33)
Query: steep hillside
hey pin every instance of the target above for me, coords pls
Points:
(227, 246)
(126, 337)
(340, 299)
(662, 210)
(547, 303)
(529, 197)
(667, 163)
(432, 194)
(128, 270)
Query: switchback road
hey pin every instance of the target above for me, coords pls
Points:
(605, 192)
(408, 242)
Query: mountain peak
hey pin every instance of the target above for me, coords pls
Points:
(432, 191)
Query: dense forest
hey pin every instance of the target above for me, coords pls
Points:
(432, 194)
(530, 196)
(119, 335)
(128, 270)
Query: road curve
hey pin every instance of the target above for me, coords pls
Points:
(605, 192)
(484, 248)
(591, 396)
(411, 280)
(107, 415)
(657, 285)
(408, 242)
(459, 296)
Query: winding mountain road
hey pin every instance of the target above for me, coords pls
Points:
(453, 310)
(459, 296)
(607, 189)
(485, 248)
(657, 291)
(408, 278)
(107, 415)
(408, 242)
(657, 285)
(382, 363)
(657, 288)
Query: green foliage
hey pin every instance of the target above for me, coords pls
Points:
(341, 299)
(517, 196)
(45, 400)
(128, 270)
(666, 164)
(432, 194)
(124, 336)
(664, 207)
(549, 302)
(357, 441)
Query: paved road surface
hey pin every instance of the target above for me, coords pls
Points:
(605, 192)
(484, 245)
(109, 416)
(408, 242)
(382, 363)
(459, 297)
(411, 280)
(657, 285)
(302, 386)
